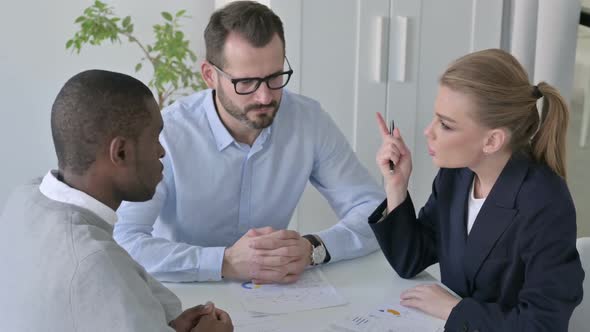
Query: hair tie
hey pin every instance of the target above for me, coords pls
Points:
(536, 92)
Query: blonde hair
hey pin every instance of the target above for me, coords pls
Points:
(500, 87)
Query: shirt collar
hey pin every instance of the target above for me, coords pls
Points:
(222, 136)
(56, 190)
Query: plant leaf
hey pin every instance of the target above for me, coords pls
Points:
(167, 16)
(126, 21)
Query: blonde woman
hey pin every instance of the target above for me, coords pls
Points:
(500, 219)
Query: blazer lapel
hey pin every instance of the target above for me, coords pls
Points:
(495, 216)
(454, 276)
(459, 206)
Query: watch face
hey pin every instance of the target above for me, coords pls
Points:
(318, 255)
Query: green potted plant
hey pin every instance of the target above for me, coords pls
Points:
(172, 60)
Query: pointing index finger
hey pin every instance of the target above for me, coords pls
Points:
(382, 125)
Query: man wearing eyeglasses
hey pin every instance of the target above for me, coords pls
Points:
(239, 156)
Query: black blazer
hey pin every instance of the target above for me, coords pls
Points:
(518, 270)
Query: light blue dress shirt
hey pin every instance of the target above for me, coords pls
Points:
(215, 189)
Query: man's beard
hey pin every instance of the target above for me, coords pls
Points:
(260, 121)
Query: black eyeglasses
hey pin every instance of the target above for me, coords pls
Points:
(248, 85)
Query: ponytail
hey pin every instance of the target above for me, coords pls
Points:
(548, 144)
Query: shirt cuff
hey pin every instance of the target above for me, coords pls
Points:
(210, 263)
(383, 216)
(379, 214)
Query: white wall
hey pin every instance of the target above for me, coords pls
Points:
(34, 64)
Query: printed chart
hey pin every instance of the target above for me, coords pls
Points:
(388, 318)
(312, 291)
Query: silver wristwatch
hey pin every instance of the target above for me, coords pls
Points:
(318, 253)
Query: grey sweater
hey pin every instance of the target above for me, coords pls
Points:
(62, 271)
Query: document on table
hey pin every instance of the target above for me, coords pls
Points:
(311, 291)
(388, 318)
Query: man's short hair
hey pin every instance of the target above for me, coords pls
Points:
(93, 107)
(253, 21)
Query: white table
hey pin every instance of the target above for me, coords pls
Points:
(365, 282)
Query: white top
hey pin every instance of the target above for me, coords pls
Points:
(64, 271)
(474, 205)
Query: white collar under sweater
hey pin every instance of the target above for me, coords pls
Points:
(56, 190)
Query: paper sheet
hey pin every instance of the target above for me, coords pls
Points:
(245, 318)
(311, 291)
(269, 326)
(388, 318)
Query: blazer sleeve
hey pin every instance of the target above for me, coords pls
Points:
(552, 285)
(408, 243)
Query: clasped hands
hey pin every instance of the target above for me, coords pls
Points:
(203, 318)
(265, 255)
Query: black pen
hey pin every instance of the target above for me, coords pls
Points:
(391, 164)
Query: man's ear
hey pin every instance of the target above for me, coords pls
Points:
(120, 151)
(496, 140)
(209, 74)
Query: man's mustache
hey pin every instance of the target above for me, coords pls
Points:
(272, 104)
